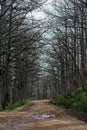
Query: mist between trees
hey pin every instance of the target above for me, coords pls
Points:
(45, 57)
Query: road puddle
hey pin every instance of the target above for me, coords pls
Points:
(13, 125)
(40, 116)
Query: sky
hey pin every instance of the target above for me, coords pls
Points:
(40, 14)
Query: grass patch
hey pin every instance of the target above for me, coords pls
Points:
(76, 100)
(1, 108)
(17, 104)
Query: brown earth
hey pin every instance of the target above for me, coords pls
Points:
(31, 117)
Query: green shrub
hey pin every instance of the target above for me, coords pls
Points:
(17, 104)
(80, 102)
(76, 100)
(1, 108)
(62, 100)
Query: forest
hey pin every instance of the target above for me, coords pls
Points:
(43, 57)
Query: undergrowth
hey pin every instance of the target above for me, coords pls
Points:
(76, 100)
(11, 106)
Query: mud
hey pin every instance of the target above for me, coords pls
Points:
(39, 115)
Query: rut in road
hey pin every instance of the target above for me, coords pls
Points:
(39, 115)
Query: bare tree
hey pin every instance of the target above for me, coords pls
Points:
(19, 48)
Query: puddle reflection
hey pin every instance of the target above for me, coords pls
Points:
(13, 125)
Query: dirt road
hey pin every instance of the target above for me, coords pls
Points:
(39, 115)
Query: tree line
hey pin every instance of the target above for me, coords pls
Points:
(42, 58)
(66, 46)
(19, 37)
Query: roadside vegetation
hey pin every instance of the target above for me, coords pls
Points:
(76, 100)
(11, 106)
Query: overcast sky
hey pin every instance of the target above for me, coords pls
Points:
(39, 14)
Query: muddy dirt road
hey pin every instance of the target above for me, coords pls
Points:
(39, 115)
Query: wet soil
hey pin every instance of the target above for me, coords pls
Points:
(40, 115)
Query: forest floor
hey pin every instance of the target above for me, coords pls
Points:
(39, 115)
